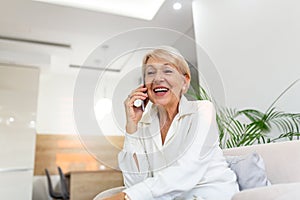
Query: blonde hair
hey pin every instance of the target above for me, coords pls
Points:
(172, 56)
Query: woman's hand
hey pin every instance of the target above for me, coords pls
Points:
(134, 114)
(119, 196)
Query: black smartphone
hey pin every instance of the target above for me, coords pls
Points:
(140, 103)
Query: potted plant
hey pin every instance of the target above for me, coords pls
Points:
(250, 126)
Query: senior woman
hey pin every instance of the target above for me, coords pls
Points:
(171, 150)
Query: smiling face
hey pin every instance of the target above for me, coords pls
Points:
(165, 84)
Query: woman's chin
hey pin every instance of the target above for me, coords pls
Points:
(164, 100)
(161, 103)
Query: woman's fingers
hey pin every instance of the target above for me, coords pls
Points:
(141, 88)
(139, 93)
(134, 114)
(130, 102)
(136, 96)
(131, 98)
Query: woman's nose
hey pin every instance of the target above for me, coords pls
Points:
(159, 77)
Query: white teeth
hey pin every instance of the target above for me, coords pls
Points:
(160, 90)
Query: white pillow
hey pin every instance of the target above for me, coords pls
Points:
(249, 169)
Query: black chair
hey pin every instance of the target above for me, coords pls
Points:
(63, 185)
(64, 192)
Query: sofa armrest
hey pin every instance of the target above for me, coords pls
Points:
(109, 192)
(286, 191)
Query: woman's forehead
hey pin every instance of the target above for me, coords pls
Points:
(152, 60)
(158, 63)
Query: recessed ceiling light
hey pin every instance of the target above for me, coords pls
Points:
(177, 6)
(141, 9)
(32, 124)
(11, 119)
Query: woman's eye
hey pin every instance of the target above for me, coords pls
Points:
(150, 72)
(168, 71)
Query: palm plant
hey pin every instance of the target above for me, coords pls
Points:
(250, 126)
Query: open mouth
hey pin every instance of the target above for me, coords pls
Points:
(160, 90)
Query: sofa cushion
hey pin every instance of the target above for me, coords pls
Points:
(286, 191)
(249, 169)
(282, 159)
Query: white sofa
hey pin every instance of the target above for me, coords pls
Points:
(282, 164)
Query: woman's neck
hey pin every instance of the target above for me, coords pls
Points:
(167, 114)
(166, 117)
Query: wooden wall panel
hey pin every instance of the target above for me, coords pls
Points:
(71, 154)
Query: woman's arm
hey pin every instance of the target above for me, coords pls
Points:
(132, 160)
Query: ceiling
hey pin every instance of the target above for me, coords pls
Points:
(67, 36)
(140, 9)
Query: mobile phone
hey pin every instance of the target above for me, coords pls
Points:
(139, 102)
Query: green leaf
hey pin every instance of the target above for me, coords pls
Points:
(235, 133)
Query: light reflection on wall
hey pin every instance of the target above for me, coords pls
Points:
(67, 151)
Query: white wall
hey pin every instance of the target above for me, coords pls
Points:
(18, 100)
(57, 84)
(55, 104)
(55, 113)
(255, 46)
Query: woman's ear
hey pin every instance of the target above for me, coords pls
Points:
(186, 83)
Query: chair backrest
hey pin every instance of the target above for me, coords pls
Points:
(63, 185)
(282, 159)
(52, 193)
